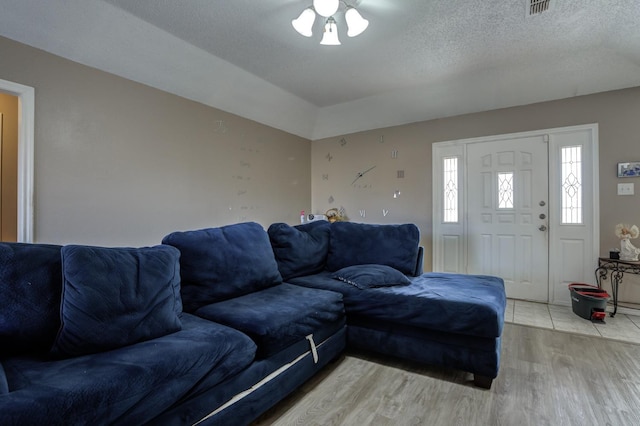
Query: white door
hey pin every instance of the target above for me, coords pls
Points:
(507, 214)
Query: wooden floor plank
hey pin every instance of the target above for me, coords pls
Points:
(546, 377)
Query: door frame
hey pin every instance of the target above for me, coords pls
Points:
(450, 239)
(26, 130)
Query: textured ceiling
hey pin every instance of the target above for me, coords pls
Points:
(418, 60)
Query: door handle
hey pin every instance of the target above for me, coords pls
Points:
(542, 228)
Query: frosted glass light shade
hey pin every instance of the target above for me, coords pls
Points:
(304, 23)
(355, 22)
(330, 36)
(326, 8)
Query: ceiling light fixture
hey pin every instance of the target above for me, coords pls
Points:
(326, 8)
(356, 24)
(330, 36)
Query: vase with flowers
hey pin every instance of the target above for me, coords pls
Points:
(628, 251)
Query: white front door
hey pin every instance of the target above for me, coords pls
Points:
(507, 208)
(522, 206)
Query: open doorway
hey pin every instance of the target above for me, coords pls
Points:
(8, 167)
(24, 153)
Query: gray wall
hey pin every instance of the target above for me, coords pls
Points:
(120, 163)
(616, 112)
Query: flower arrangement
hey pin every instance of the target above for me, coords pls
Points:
(627, 250)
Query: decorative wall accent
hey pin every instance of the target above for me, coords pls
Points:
(631, 169)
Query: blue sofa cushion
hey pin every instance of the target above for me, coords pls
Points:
(370, 276)
(4, 386)
(358, 244)
(221, 263)
(30, 287)
(300, 250)
(278, 316)
(113, 297)
(129, 385)
(471, 305)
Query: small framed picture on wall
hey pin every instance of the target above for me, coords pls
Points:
(631, 169)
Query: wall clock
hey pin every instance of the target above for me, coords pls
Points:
(359, 175)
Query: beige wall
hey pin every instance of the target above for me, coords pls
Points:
(120, 163)
(335, 162)
(8, 168)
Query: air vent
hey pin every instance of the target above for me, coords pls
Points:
(536, 7)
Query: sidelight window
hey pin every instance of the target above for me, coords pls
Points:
(571, 180)
(450, 170)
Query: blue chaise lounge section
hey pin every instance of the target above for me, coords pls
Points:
(451, 320)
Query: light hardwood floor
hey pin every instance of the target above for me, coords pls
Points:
(547, 377)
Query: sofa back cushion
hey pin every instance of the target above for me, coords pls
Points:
(300, 250)
(114, 297)
(30, 287)
(359, 244)
(221, 263)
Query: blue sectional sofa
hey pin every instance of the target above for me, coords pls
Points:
(215, 326)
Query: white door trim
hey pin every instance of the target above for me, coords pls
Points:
(452, 257)
(26, 113)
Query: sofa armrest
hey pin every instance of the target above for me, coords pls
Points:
(419, 263)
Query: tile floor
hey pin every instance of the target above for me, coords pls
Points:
(622, 327)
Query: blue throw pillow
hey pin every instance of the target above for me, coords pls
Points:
(217, 264)
(114, 297)
(30, 287)
(371, 276)
(353, 243)
(300, 250)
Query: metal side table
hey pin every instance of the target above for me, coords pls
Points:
(616, 268)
